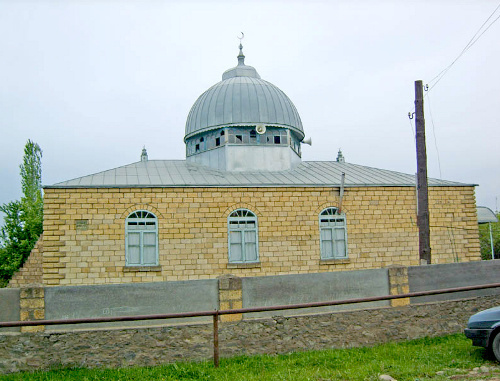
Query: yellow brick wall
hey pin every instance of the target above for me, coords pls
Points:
(31, 272)
(192, 226)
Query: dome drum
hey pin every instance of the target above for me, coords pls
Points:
(244, 123)
(243, 135)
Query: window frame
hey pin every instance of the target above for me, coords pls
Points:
(141, 218)
(237, 217)
(331, 213)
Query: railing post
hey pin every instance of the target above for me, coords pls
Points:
(216, 338)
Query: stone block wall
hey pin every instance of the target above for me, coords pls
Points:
(84, 231)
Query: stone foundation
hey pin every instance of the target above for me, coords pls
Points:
(154, 346)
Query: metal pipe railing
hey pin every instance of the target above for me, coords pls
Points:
(216, 313)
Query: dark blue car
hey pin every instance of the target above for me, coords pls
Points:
(483, 329)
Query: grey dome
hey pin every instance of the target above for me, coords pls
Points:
(242, 99)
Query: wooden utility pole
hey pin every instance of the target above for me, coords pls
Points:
(424, 244)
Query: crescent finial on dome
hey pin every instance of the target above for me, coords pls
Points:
(241, 56)
(241, 70)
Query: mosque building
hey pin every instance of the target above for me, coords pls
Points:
(243, 203)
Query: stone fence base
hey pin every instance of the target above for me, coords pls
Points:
(154, 346)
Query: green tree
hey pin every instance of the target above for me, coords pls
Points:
(23, 221)
(484, 239)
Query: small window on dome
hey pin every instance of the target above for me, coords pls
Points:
(217, 142)
(239, 138)
(197, 147)
(284, 136)
(202, 139)
(253, 136)
(277, 140)
(222, 133)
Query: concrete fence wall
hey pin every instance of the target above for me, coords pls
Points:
(36, 302)
(440, 276)
(307, 288)
(9, 307)
(75, 302)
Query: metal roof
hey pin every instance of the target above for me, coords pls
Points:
(485, 215)
(242, 98)
(180, 173)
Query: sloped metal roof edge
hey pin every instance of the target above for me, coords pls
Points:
(236, 179)
(103, 173)
(264, 185)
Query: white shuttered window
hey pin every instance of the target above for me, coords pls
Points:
(141, 239)
(333, 234)
(243, 237)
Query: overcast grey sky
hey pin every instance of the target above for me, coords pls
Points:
(93, 81)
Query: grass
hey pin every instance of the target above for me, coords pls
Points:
(412, 360)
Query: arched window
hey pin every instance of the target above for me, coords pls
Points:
(141, 239)
(243, 237)
(333, 234)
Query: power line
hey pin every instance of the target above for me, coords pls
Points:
(443, 72)
(434, 134)
(472, 41)
(411, 126)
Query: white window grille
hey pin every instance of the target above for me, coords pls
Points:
(243, 237)
(141, 239)
(333, 234)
